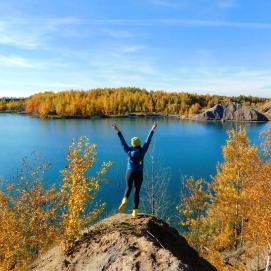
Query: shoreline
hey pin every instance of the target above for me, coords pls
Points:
(130, 115)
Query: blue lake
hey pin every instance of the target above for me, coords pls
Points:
(186, 148)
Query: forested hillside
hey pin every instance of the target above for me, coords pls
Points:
(119, 101)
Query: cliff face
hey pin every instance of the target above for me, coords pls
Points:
(123, 243)
(231, 112)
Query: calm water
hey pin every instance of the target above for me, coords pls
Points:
(186, 148)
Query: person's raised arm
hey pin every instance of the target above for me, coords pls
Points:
(148, 140)
(122, 140)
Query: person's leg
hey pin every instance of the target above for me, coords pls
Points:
(138, 178)
(129, 185)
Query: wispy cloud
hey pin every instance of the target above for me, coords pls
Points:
(16, 62)
(21, 62)
(36, 33)
(11, 35)
(177, 22)
(50, 24)
(31, 33)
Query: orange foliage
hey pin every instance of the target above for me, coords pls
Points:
(79, 190)
(121, 101)
(34, 217)
(235, 208)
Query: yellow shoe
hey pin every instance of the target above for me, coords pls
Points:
(135, 213)
(123, 205)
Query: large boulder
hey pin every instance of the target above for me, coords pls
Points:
(123, 243)
(231, 112)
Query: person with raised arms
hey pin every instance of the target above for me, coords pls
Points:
(134, 172)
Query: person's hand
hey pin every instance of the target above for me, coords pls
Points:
(154, 126)
(115, 127)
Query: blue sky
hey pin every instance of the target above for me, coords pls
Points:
(204, 46)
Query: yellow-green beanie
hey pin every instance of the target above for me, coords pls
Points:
(135, 141)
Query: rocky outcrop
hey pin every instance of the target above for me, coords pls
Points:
(266, 108)
(123, 243)
(231, 112)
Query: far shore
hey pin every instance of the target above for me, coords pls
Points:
(129, 115)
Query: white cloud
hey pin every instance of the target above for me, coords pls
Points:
(32, 33)
(178, 22)
(21, 62)
(33, 29)
(11, 35)
(16, 62)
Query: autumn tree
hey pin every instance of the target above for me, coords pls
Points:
(30, 221)
(34, 216)
(195, 200)
(258, 227)
(233, 208)
(79, 190)
(194, 109)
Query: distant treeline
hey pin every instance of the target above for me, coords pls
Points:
(122, 101)
(12, 105)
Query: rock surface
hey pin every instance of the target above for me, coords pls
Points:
(231, 112)
(266, 108)
(123, 243)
